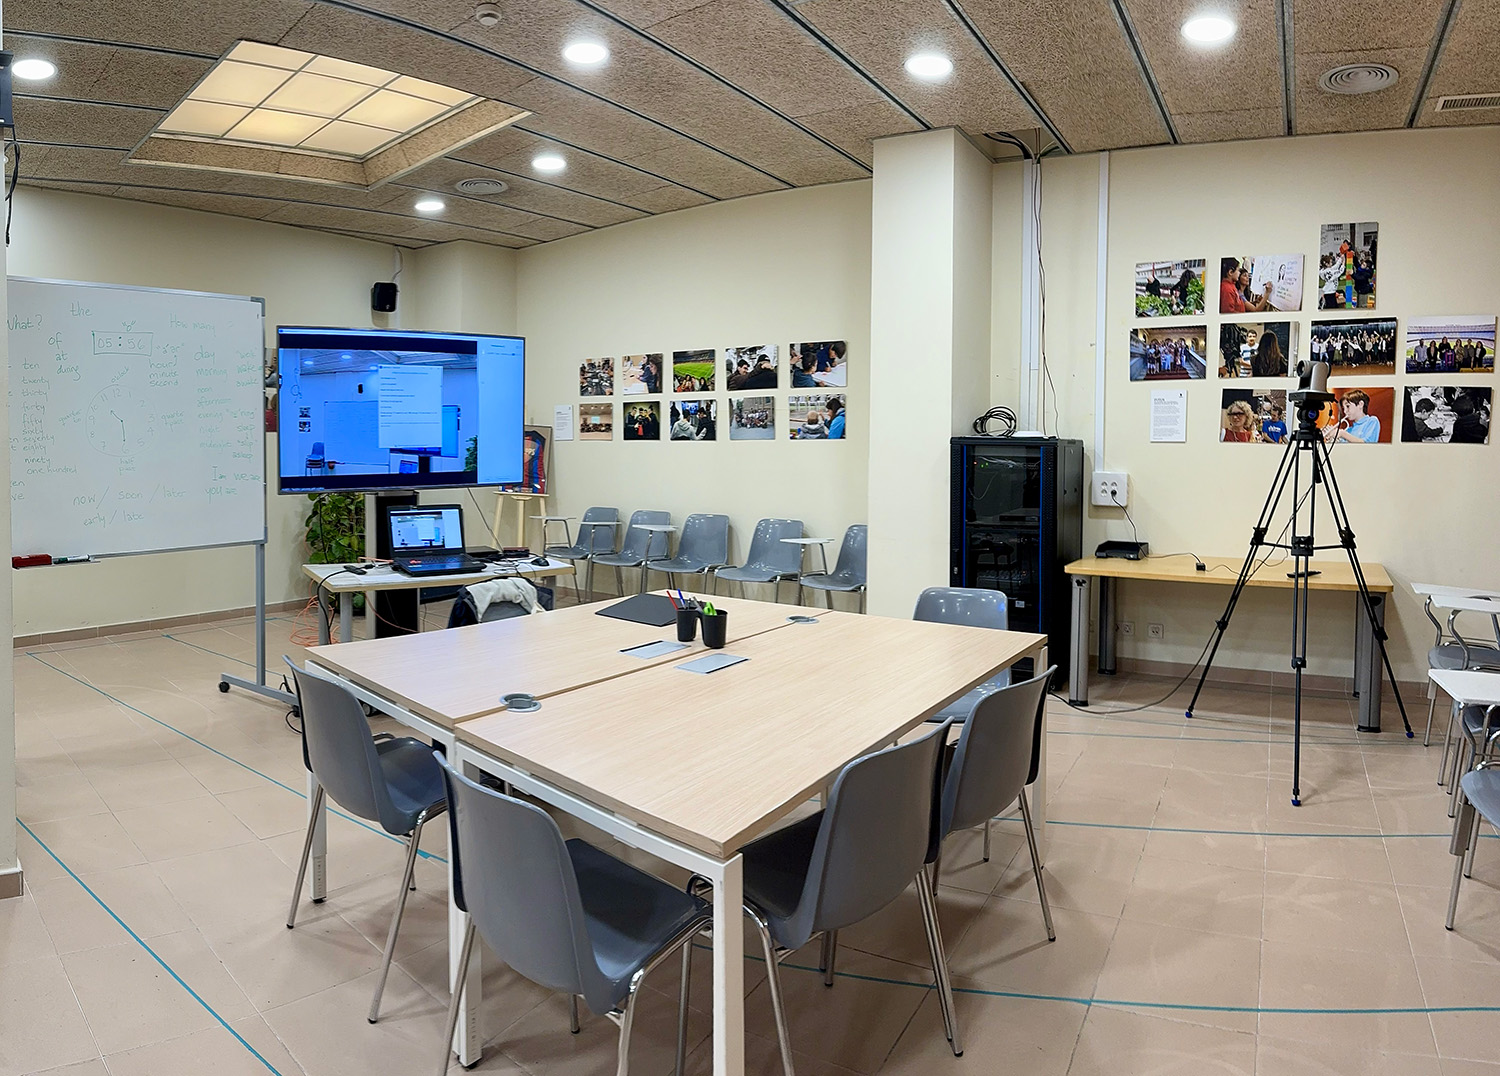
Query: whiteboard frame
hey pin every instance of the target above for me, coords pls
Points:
(265, 523)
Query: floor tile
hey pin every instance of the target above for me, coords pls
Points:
(184, 828)
(1117, 1041)
(130, 999)
(1196, 896)
(41, 1024)
(23, 934)
(1152, 963)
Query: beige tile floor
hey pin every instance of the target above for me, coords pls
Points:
(1204, 925)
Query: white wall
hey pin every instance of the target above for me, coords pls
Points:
(10, 866)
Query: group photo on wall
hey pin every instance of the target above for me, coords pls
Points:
(1356, 346)
(752, 418)
(1168, 354)
(1169, 289)
(694, 420)
(693, 371)
(1453, 345)
(820, 365)
(747, 368)
(643, 421)
(596, 422)
(815, 418)
(596, 377)
(1257, 348)
(640, 375)
(1253, 416)
(1346, 266)
(1446, 415)
(1250, 284)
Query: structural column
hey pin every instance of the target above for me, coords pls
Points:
(10, 864)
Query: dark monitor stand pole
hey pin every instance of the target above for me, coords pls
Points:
(397, 612)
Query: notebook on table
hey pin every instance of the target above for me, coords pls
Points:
(654, 609)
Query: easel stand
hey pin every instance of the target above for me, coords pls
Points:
(523, 503)
(1307, 442)
(258, 685)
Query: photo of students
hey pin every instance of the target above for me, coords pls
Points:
(643, 421)
(1446, 415)
(1168, 354)
(641, 374)
(816, 418)
(1252, 284)
(693, 371)
(752, 418)
(694, 420)
(820, 365)
(1257, 349)
(1355, 347)
(748, 368)
(596, 377)
(596, 422)
(1249, 416)
(1168, 289)
(1361, 416)
(1454, 345)
(1346, 266)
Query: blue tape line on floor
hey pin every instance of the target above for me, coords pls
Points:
(152, 952)
(1230, 832)
(226, 757)
(206, 650)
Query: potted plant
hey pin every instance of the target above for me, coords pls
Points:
(336, 531)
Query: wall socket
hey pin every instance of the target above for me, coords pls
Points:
(1127, 627)
(1154, 631)
(1110, 488)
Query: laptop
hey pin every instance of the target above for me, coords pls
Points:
(428, 539)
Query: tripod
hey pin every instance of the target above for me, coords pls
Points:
(1307, 441)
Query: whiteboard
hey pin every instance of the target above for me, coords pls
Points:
(135, 419)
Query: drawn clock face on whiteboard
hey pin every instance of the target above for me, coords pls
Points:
(117, 423)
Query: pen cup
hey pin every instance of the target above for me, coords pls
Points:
(687, 625)
(714, 629)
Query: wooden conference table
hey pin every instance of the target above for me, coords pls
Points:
(685, 766)
(1336, 575)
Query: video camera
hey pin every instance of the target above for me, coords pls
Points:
(1311, 394)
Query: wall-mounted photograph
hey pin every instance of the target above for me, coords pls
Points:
(1361, 416)
(1168, 289)
(1253, 417)
(752, 418)
(1346, 266)
(694, 420)
(693, 371)
(596, 377)
(815, 418)
(1257, 348)
(1446, 415)
(1452, 345)
(824, 364)
(640, 375)
(1168, 354)
(596, 422)
(643, 421)
(1252, 283)
(747, 368)
(1361, 346)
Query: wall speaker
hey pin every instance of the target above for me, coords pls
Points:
(383, 297)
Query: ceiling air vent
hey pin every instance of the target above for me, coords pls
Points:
(1463, 102)
(1358, 78)
(481, 186)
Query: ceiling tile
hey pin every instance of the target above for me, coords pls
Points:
(1321, 112)
(705, 170)
(82, 125)
(253, 208)
(204, 26)
(1360, 25)
(103, 73)
(321, 216)
(1470, 63)
(668, 197)
(526, 195)
(1101, 111)
(511, 150)
(1242, 74)
(648, 12)
(1231, 126)
(853, 128)
(103, 190)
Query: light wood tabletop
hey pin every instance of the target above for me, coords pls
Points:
(459, 673)
(336, 580)
(1333, 574)
(712, 760)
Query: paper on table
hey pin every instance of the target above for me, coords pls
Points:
(654, 650)
(710, 663)
(1169, 414)
(562, 423)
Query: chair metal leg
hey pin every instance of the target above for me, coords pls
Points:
(390, 940)
(463, 973)
(573, 1024)
(1036, 866)
(773, 980)
(1469, 852)
(830, 955)
(1447, 744)
(939, 961)
(627, 1018)
(682, 1007)
(1462, 763)
(1431, 706)
(1465, 828)
(312, 825)
(987, 823)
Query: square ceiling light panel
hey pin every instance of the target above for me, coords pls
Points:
(266, 110)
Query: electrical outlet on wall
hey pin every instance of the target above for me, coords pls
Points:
(1127, 627)
(1154, 631)
(1110, 488)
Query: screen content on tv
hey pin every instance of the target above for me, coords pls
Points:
(370, 409)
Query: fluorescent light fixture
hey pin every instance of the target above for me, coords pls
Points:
(585, 52)
(548, 162)
(1208, 29)
(429, 205)
(931, 66)
(33, 69)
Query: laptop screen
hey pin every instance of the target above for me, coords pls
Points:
(428, 528)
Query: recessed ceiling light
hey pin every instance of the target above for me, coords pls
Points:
(585, 52)
(548, 162)
(1208, 29)
(34, 69)
(929, 65)
(429, 205)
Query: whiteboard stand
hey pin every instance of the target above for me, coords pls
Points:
(258, 685)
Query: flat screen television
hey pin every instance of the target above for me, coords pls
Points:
(374, 409)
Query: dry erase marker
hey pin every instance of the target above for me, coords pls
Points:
(72, 560)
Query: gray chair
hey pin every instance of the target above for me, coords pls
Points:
(704, 547)
(1450, 650)
(564, 914)
(770, 559)
(998, 754)
(1479, 797)
(847, 862)
(394, 783)
(971, 608)
(848, 575)
(1478, 729)
(638, 547)
(596, 534)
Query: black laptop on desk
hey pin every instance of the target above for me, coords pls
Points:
(428, 539)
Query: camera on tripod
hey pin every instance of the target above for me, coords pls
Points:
(1311, 394)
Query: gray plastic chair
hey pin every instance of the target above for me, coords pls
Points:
(970, 608)
(770, 559)
(998, 754)
(704, 547)
(394, 783)
(565, 915)
(596, 534)
(847, 862)
(1479, 797)
(848, 575)
(638, 547)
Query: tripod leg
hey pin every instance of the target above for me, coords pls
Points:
(1301, 588)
